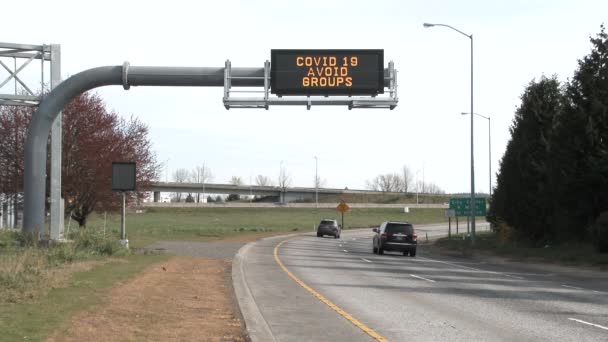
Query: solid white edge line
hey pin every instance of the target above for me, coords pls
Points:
(474, 269)
(592, 324)
(419, 277)
(580, 288)
(573, 287)
(365, 259)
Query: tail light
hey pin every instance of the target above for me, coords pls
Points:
(383, 235)
(415, 237)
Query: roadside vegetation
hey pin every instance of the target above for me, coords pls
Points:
(553, 180)
(572, 253)
(29, 271)
(42, 286)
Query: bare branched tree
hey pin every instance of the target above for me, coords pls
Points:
(284, 180)
(262, 180)
(180, 176)
(201, 175)
(433, 188)
(236, 180)
(390, 182)
(319, 182)
(406, 180)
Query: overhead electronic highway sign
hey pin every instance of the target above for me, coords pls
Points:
(327, 72)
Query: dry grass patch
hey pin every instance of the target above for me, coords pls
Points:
(183, 299)
(26, 275)
(28, 272)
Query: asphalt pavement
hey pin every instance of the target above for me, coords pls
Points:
(426, 298)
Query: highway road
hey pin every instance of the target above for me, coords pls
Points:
(427, 298)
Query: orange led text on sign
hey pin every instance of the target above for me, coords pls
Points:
(327, 71)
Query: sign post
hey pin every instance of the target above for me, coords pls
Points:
(123, 216)
(342, 207)
(123, 180)
(449, 213)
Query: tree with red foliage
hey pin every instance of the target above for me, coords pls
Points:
(13, 124)
(93, 138)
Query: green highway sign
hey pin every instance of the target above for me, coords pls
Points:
(462, 206)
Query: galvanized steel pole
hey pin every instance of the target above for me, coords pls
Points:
(123, 217)
(56, 223)
(40, 126)
(472, 203)
(472, 155)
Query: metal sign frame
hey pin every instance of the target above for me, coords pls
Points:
(16, 52)
(266, 100)
(324, 54)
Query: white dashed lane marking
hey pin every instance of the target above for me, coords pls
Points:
(579, 288)
(591, 324)
(423, 278)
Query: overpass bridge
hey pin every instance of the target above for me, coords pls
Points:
(288, 194)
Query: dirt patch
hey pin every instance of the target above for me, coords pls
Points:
(183, 299)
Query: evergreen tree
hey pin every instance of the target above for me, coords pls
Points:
(522, 184)
(580, 156)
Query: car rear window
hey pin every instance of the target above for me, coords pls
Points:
(399, 228)
(327, 222)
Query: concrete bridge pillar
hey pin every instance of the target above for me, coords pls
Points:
(156, 196)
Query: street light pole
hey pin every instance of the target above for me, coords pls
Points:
(282, 192)
(417, 185)
(316, 182)
(472, 204)
(489, 151)
(490, 158)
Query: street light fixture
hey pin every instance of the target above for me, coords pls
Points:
(472, 204)
(489, 151)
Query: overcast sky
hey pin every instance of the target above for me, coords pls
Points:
(515, 41)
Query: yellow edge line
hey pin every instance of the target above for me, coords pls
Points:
(320, 297)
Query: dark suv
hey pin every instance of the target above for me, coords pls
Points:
(329, 227)
(395, 236)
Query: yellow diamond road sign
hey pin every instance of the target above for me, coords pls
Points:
(342, 207)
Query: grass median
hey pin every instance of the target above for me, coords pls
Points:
(154, 224)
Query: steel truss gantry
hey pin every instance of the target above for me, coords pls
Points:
(23, 95)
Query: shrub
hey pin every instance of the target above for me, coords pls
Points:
(599, 233)
(506, 233)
